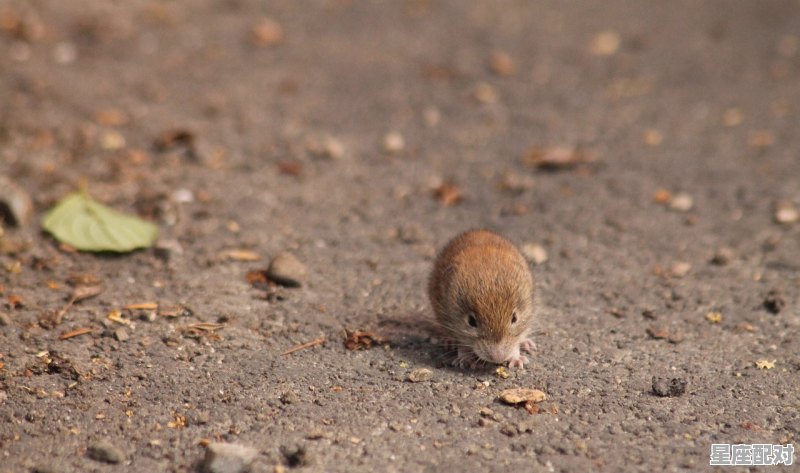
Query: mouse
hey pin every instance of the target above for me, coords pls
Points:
(482, 294)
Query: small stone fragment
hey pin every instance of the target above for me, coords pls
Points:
(664, 387)
(104, 451)
(267, 32)
(16, 206)
(774, 302)
(326, 147)
(448, 193)
(287, 270)
(535, 253)
(485, 93)
(5, 319)
(714, 317)
(786, 212)
(652, 137)
(680, 269)
(605, 43)
(732, 117)
(393, 142)
(228, 458)
(682, 202)
(289, 397)
(501, 64)
(296, 456)
(419, 375)
(722, 256)
(121, 335)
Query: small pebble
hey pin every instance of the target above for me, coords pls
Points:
(5, 319)
(605, 43)
(501, 64)
(267, 32)
(393, 142)
(296, 456)
(228, 458)
(682, 202)
(485, 93)
(535, 253)
(786, 213)
(65, 53)
(722, 256)
(16, 206)
(105, 452)
(774, 302)
(326, 147)
(680, 269)
(121, 334)
(287, 270)
(664, 387)
(419, 375)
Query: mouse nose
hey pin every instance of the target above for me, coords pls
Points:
(497, 354)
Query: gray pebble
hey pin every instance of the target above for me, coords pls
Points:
(287, 270)
(105, 452)
(228, 458)
(121, 334)
(664, 387)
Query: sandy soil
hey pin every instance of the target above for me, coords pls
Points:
(686, 110)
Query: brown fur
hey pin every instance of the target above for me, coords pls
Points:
(481, 272)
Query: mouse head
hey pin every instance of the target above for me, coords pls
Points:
(492, 317)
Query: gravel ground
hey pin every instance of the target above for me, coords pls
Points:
(360, 137)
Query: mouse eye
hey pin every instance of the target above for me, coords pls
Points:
(471, 320)
(514, 317)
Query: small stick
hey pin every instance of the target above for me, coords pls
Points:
(303, 346)
(75, 333)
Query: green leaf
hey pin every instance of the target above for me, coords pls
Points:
(80, 221)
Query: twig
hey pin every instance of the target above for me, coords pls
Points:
(303, 346)
(75, 333)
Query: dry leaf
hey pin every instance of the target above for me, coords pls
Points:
(362, 340)
(765, 364)
(448, 193)
(520, 395)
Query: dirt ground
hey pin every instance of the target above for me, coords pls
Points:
(361, 136)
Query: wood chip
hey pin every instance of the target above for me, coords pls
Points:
(81, 293)
(205, 326)
(241, 255)
(75, 333)
(142, 306)
(303, 346)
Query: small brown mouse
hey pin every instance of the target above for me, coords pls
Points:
(481, 291)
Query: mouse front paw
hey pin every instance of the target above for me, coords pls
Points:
(527, 345)
(518, 361)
